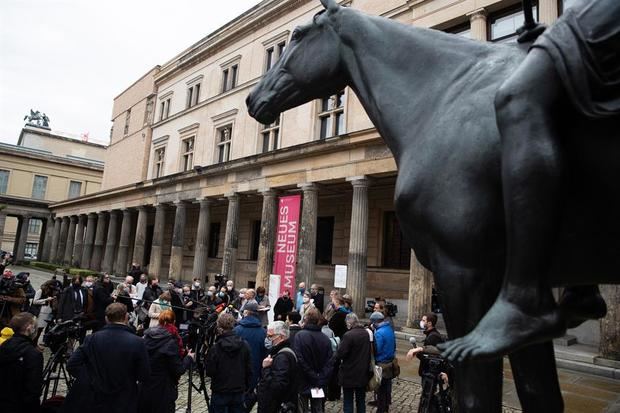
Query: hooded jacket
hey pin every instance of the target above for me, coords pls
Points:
(251, 330)
(159, 391)
(228, 364)
(278, 383)
(21, 380)
(314, 358)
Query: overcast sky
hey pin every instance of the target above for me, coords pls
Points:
(70, 58)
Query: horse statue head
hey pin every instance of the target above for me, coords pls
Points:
(310, 68)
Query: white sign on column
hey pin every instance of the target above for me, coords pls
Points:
(340, 276)
(274, 289)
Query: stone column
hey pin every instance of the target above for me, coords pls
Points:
(79, 241)
(478, 24)
(99, 245)
(2, 222)
(202, 239)
(610, 325)
(138, 249)
(62, 240)
(158, 240)
(420, 292)
(55, 240)
(269, 217)
(68, 257)
(44, 254)
(89, 240)
(231, 240)
(547, 11)
(123, 244)
(110, 246)
(306, 255)
(358, 245)
(178, 239)
(20, 248)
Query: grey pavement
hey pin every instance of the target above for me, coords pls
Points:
(582, 392)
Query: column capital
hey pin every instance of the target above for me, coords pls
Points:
(232, 196)
(309, 187)
(480, 13)
(161, 206)
(204, 202)
(180, 203)
(126, 211)
(114, 212)
(101, 214)
(268, 192)
(359, 181)
(141, 208)
(92, 215)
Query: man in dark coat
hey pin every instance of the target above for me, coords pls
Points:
(314, 358)
(102, 297)
(284, 305)
(107, 368)
(152, 292)
(73, 300)
(251, 330)
(354, 352)
(228, 364)
(21, 365)
(278, 384)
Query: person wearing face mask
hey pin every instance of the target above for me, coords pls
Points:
(198, 293)
(189, 304)
(306, 305)
(73, 300)
(141, 286)
(284, 305)
(299, 298)
(263, 305)
(21, 364)
(433, 337)
(159, 305)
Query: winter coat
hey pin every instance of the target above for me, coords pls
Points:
(66, 305)
(228, 363)
(262, 315)
(293, 330)
(21, 379)
(385, 343)
(154, 310)
(151, 293)
(159, 391)
(107, 368)
(278, 383)
(354, 351)
(314, 358)
(282, 308)
(337, 322)
(101, 295)
(251, 330)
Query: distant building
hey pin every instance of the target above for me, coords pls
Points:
(44, 167)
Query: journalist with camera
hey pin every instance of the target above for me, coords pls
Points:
(12, 297)
(21, 364)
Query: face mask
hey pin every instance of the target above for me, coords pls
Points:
(209, 293)
(186, 293)
(88, 284)
(306, 300)
(302, 290)
(422, 324)
(268, 343)
(260, 296)
(221, 295)
(196, 285)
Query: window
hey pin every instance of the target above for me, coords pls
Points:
(229, 80)
(503, 27)
(187, 154)
(270, 136)
(332, 116)
(31, 250)
(214, 240)
(273, 54)
(193, 95)
(463, 30)
(255, 240)
(4, 181)
(39, 187)
(127, 119)
(75, 189)
(149, 111)
(34, 226)
(158, 164)
(324, 240)
(164, 109)
(223, 143)
(396, 251)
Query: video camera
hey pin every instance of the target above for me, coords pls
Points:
(59, 333)
(220, 281)
(8, 286)
(391, 309)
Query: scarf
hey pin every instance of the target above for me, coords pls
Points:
(164, 305)
(171, 328)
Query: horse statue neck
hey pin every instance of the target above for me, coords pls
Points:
(401, 73)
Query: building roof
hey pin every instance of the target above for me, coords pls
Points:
(44, 155)
(74, 139)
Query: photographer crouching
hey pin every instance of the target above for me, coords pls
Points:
(434, 369)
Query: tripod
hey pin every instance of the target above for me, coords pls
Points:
(56, 370)
(200, 347)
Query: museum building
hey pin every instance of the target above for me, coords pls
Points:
(191, 182)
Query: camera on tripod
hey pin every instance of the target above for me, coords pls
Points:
(59, 333)
(8, 286)
(391, 309)
(220, 281)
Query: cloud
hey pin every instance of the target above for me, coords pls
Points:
(70, 58)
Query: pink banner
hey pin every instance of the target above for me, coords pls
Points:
(287, 233)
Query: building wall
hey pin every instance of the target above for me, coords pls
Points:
(59, 145)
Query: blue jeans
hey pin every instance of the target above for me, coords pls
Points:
(227, 402)
(360, 399)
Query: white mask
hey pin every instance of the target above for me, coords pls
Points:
(423, 324)
(306, 300)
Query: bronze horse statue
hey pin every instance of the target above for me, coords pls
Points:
(431, 97)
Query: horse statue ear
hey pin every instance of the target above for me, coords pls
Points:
(330, 5)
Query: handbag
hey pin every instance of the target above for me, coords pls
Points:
(376, 372)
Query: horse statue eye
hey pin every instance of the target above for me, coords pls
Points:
(296, 35)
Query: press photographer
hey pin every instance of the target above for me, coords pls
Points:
(12, 297)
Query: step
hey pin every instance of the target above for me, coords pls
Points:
(590, 368)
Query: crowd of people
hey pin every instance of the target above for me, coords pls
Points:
(311, 352)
